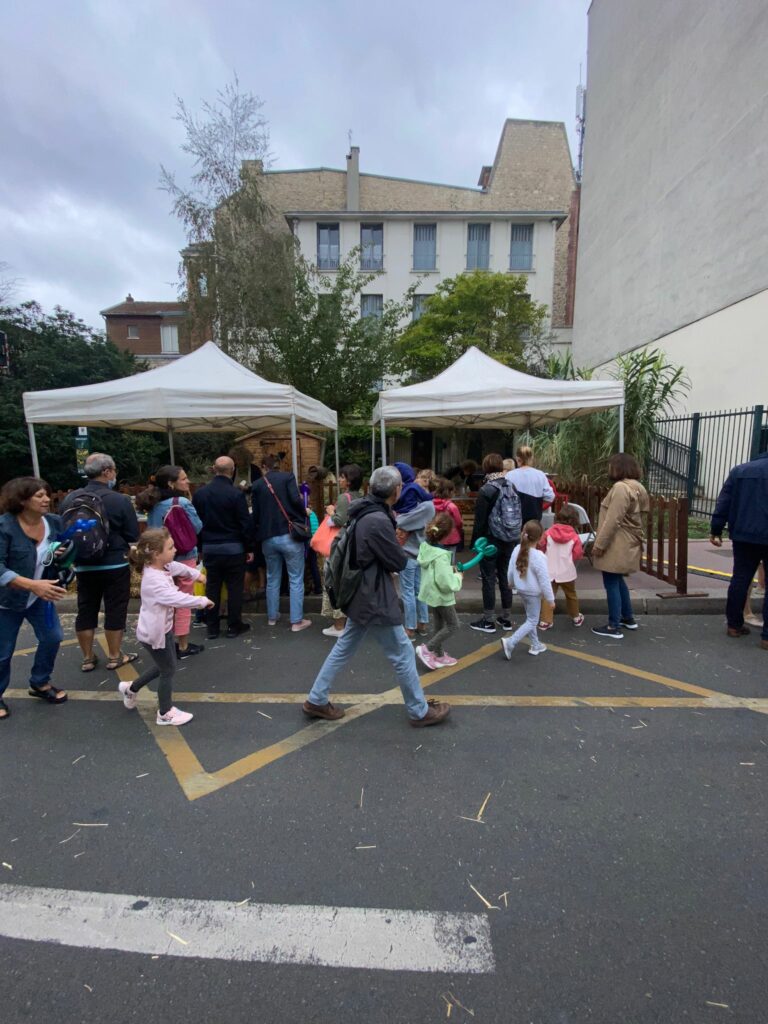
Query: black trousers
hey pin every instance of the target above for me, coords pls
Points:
(229, 569)
(746, 558)
(493, 570)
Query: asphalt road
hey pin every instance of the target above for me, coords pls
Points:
(626, 825)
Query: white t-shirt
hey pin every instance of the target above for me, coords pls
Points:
(42, 551)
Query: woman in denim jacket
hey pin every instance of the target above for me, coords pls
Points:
(27, 587)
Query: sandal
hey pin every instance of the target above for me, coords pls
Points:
(120, 661)
(4, 708)
(89, 664)
(51, 695)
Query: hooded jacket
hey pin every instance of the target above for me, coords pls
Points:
(562, 546)
(379, 555)
(415, 523)
(412, 493)
(456, 536)
(439, 581)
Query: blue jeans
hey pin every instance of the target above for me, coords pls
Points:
(398, 649)
(48, 639)
(410, 580)
(276, 550)
(619, 603)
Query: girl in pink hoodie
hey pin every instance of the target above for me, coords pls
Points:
(443, 493)
(154, 552)
(562, 546)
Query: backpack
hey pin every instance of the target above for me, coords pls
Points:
(178, 524)
(341, 573)
(91, 545)
(505, 520)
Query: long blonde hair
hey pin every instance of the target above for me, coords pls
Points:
(531, 535)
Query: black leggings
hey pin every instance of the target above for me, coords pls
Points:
(163, 670)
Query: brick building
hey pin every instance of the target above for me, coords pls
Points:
(154, 331)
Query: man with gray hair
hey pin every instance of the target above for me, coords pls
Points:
(374, 608)
(107, 577)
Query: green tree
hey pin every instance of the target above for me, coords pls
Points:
(57, 351)
(492, 311)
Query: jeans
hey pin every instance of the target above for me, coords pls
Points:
(495, 568)
(163, 670)
(446, 624)
(399, 651)
(410, 580)
(229, 569)
(619, 603)
(276, 551)
(532, 606)
(746, 558)
(48, 634)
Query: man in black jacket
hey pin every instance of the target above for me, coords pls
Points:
(225, 538)
(107, 578)
(375, 608)
(742, 505)
(276, 504)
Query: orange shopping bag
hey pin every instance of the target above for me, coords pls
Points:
(323, 537)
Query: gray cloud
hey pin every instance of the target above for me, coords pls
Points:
(86, 115)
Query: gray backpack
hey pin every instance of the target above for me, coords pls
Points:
(505, 520)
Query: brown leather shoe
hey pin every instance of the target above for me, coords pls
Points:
(326, 711)
(764, 644)
(741, 631)
(437, 712)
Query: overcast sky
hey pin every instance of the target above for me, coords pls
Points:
(87, 98)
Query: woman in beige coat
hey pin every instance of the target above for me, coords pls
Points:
(619, 541)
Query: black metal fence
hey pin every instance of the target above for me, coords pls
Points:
(692, 455)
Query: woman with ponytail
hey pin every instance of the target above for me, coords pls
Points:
(529, 575)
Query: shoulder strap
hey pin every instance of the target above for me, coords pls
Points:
(280, 504)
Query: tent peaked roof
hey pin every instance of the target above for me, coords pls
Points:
(205, 390)
(478, 391)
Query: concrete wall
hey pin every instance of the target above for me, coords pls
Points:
(398, 276)
(674, 218)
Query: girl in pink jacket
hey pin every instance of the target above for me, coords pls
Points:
(562, 546)
(159, 597)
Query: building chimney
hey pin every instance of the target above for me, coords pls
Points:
(129, 297)
(353, 178)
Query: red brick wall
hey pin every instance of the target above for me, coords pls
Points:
(148, 342)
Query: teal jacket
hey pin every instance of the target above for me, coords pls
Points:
(439, 580)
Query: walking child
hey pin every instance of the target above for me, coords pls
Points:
(159, 597)
(529, 575)
(562, 546)
(439, 585)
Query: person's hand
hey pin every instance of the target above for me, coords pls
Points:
(402, 536)
(208, 603)
(598, 552)
(716, 542)
(330, 509)
(48, 590)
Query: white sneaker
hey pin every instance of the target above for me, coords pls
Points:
(537, 649)
(129, 697)
(174, 717)
(507, 646)
(330, 631)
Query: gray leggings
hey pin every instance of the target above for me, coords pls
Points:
(163, 670)
(447, 622)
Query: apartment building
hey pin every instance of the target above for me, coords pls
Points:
(514, 221)
(154, 331)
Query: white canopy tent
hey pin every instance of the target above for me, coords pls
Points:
(478, 391)
(203, 391)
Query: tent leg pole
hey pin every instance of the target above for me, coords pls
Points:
(383, 443)
(293, 447)
(171, 452)
(33, 449)
(621, 427)
(373, 448)
(336, 449)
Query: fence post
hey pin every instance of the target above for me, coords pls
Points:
(682, 546)
(693, 457)
(757, 429)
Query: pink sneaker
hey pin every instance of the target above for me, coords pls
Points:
(427, 657)
(296, 627)
(174, 717)
(446, 661)
(129, 697)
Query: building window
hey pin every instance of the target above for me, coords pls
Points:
(521, 250)
(419, 302)
(371, 246)
(371, 305)
(425, 246)
(478, 246)
(327, 246)
(169, 340)
(133, 332)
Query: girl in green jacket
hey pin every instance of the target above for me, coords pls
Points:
(439, 585)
